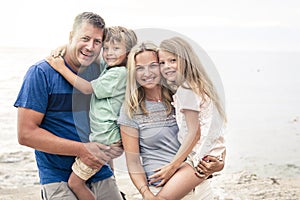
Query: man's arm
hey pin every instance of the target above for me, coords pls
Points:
(30, 134)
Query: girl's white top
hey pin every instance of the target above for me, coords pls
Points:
(212, 125)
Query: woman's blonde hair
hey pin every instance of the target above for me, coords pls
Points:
(191, 70)
(135, 93)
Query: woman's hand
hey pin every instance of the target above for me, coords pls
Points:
(163, 174)
(210, 164)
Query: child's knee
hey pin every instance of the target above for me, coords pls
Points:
(75, 184)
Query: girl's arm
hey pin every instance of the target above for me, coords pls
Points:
(79, 83)
(193, 126)
(130, 140)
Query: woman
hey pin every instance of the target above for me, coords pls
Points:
(148, 125)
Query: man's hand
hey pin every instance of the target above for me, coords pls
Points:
(115, 150)
(94, 154)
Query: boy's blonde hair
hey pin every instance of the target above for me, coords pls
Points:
(121, 34)
(135, 94)
(191, 71)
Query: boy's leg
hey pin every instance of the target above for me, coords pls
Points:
(81, 173)
(79, 187)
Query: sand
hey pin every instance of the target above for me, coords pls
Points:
(19, 180)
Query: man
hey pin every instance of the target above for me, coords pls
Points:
(53, 117)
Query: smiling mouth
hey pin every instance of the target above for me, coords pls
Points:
(169, 73)
(149, 80)
(110, 59)
(86, 54)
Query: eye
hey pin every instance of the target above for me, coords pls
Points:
(139, 68)
(85, 39)
(98, 42)
(173, 60)
(154, 65)
(162, 63)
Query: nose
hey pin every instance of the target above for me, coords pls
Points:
(147, 71)
(109, 51)
(167, 64)
(90, 45)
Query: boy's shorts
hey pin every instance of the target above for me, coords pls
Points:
(82, 170)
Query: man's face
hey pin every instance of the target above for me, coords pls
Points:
(84, 46)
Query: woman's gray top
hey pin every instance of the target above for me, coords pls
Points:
(157, 135)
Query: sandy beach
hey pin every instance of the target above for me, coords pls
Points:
(19, 180)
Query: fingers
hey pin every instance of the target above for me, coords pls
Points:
(103, 147)
(162, 183)
(210, 159)
(57, 53)
(199, 175)
(115, 151)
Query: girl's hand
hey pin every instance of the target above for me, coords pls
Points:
(163, 174)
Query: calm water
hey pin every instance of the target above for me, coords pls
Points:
(262, 96)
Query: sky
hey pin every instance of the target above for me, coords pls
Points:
(267, 25)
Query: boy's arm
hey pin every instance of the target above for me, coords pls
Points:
(79, 83)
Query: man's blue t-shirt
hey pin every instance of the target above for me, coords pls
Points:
(65, 112)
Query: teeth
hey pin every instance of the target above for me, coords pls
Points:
(149, 80)
(86, 54)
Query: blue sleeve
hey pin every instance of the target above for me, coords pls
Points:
(34, 92)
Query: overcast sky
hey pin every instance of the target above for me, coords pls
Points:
(215, 24)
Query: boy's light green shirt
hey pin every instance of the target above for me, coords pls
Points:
(106, 101)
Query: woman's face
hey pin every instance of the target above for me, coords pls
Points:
(147, 70)
(168, 63)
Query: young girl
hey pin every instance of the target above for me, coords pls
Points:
(199, 112)
(108, 93)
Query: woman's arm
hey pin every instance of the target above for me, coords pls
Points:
(59, 65)
(193, 125)
(130, 140)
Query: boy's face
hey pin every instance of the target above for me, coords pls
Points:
(114, 53)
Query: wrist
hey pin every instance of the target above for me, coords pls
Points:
(175, 165)
(143, 189)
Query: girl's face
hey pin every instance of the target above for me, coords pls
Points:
(114, 53)
(168, 63)
(147, 71)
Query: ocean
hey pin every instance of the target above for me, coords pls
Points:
(262, 91)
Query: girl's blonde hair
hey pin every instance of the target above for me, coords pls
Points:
(191, 70)
(135, 93)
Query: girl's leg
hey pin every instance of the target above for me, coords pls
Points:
(181, 183)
